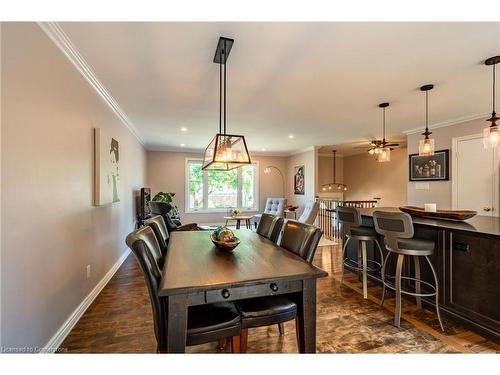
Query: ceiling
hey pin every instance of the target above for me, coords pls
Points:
(321, 82)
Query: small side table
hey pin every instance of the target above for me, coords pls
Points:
(238, 219)
(294, 213)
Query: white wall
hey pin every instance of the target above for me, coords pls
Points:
(439, 192)
(166, 172)
(50, 230)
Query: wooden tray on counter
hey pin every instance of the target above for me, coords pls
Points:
(459, 215)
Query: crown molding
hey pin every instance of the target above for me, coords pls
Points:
(330, 155)
(443, 124)
(310, 148)
(64, 43)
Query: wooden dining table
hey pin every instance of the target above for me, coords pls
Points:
(195, 272)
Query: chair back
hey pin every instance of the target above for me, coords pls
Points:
(348, 217)
(159, 208)
(160, 230)
(310, 212)
(275, 206)
(301, 239)
(270, 226)
(145, 247)
(393, 225)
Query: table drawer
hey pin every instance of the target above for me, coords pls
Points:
(251, 291)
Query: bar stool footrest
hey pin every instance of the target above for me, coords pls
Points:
(391, 285)
(353, 265)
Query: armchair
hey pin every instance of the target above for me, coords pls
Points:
(163, 209)
(310, 213)
(274, 206)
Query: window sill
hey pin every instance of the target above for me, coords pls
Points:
(224, 212)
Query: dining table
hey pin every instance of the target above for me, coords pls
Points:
(196, 272)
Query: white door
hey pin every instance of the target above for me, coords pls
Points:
(475, 178)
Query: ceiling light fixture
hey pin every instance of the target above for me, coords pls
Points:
(225, 151)
(426, 145)
(384, 153)
(290, 136)
(183, 129)
(490, 134)
(334, 186)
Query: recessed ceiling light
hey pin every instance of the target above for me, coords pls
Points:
(183, 144)
(262, 149)
(184, 129)
(290, 136)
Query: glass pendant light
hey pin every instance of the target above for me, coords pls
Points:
(490, 134)
(384, 152)
(334, 185)
(225, 151)
(426, 145)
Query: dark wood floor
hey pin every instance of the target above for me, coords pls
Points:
(120, 321)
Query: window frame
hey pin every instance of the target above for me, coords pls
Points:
(205, 209)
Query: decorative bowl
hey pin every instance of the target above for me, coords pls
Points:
(227, 246)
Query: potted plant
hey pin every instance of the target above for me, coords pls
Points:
(165, 197)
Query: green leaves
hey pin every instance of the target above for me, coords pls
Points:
(163, 197)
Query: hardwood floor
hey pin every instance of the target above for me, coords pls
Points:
(120, 321)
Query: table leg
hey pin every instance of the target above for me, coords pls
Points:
(306, 317)
(177, 323)
(248, 224)
(237, 223)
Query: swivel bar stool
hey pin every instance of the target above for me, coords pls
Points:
(350, 219)
(397, 229)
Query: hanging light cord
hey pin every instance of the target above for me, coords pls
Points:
(334, 167)
(220, 94)
(383, 139)
(224, 90)
(427, 113)
(494, 68)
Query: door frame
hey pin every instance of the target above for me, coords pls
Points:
(454, 169)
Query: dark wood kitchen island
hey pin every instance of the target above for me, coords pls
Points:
(467, 260)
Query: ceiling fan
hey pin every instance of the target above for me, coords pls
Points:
(378, 146)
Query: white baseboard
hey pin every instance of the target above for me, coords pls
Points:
(68, 325)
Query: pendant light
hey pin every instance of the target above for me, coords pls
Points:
(384, 153)
(426, 145)
(225, 151)
(490, 134)
(334, 186)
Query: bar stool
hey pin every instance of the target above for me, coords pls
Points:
(350, 219)
(397, 229)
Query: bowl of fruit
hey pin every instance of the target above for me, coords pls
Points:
(224, 239)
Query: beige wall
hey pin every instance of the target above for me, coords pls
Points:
(50, 229)
(325, 175)
(166, 172)
(439, 192)
(366, 178)
(308, 159)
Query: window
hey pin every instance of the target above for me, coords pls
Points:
(218, 191)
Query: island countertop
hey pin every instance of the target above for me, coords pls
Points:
(489, 225)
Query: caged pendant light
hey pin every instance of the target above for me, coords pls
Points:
(426, 145)
(490, 134)
(225, 151)
(384, 153)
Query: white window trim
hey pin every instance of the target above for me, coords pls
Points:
(189, 210)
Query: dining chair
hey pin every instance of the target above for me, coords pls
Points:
(205, 323)
(160, 230)
(270, 226)
(302, 240)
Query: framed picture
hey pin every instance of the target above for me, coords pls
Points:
(299, 180)
(430, 168)
(106, 168)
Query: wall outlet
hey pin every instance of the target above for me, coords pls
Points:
(89, 271)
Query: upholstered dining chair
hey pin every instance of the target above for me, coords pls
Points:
(270, 226)
(160, 230)
(301, 239)
(310, 213)
(274, 206)
(205, 323)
